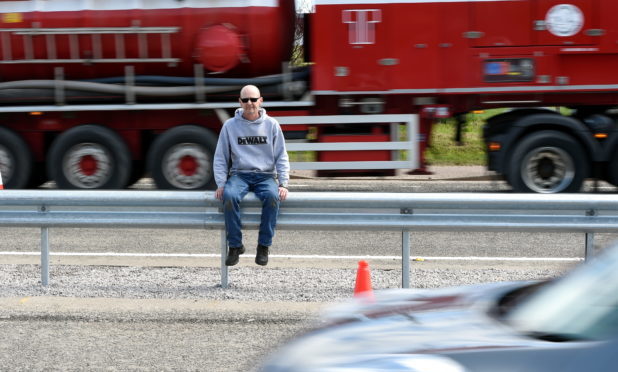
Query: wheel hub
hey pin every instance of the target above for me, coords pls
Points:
(187, 166)
(548, 170)
(87, 165)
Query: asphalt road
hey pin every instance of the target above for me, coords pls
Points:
(116, 312)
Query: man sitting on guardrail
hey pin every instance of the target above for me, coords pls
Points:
(251, 156)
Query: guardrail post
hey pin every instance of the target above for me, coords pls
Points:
(44, 250)
(405, 254)
(224, 275)
(590, 238)
(44, 256)
(224, 281)
(405, 259)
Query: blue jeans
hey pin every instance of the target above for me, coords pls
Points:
(265, 187)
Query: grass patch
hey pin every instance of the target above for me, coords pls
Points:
(445, 150)
(301, 156)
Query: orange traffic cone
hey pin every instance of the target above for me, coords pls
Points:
(363, 289)
(1, 184)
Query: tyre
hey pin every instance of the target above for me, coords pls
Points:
(548, 162)
(15, 160)
(89, 157)
(181, 158)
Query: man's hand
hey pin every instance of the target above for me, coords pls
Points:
(219, 193)
(283, 193)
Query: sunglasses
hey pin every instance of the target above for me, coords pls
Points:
(245, 100)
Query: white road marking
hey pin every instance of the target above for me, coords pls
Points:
(296, 256)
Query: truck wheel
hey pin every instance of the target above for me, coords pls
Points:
(89, 157)
(548, 162)
(181, 158)
(15, 160)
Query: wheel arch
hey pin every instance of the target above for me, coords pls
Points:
(525, 125)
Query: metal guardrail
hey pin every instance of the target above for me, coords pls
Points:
(405, 212)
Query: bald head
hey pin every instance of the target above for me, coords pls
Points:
(249, 91)
(250, 101)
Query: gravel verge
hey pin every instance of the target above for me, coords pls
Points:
(245, 283)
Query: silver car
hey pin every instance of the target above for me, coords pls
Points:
(568, 324)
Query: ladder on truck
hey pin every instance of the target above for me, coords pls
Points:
(27, 36)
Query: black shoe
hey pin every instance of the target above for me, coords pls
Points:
(262, 255)
(233, 256)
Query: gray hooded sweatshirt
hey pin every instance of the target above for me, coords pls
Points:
(251, 146)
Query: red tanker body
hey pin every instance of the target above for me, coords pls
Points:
(96, 39)
(418, 55)
(95, 93)
(448, 49)
(114, 55)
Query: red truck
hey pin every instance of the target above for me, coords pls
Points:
(95, 94)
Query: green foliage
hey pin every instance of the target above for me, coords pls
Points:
(300, 156)
(444, 150)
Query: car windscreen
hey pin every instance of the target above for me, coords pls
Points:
(583, 305)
